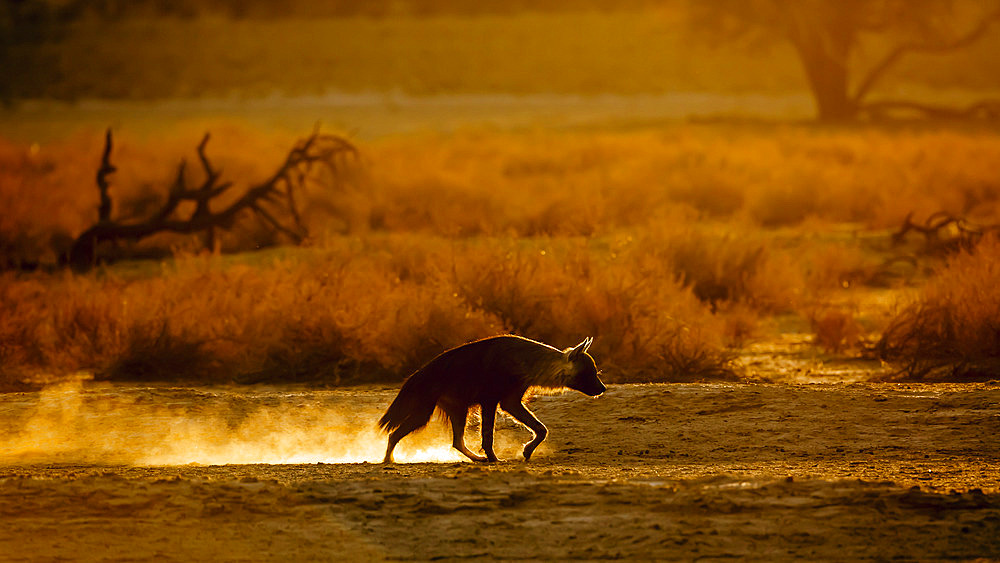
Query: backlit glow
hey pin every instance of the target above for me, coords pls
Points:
(66, 424)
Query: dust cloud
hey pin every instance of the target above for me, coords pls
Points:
(76, 422)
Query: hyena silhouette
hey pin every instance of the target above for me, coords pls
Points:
(491, 372)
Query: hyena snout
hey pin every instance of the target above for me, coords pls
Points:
(589, 384)
(596, 389)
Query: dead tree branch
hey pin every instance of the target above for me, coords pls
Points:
(104, 210)
(988, 110)
(878, 71)
(273, 200)
(944, 232)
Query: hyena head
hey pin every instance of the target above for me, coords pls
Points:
(582, 373)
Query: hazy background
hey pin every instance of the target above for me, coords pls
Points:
(441, 64)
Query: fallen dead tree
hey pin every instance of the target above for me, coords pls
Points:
(943, 232)
(273, 201)
(885, 110)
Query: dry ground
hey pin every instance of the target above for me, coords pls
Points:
(829, 471)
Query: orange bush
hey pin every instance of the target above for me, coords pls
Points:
(633, 237)
(355, 310)
(952, 328)
(529, 184)
(836, 330)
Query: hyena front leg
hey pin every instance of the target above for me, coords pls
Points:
(458, 418)
(489, 416)
(515, 408)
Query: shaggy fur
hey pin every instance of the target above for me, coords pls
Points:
(489, 373)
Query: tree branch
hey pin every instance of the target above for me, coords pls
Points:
(944, 232)
(983, 109)
(879, 70)
(104, 210)
(278, 191)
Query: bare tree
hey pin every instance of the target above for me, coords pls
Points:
(273, 200)
(826, 34)
(944, 233)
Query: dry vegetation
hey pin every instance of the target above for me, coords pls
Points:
(672, 247)
(357, 309)
(953, 328)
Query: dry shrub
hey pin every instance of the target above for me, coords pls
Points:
(953, 328)
(724, 267)
(873, 177)
(536, 183)
(647, 325)
(474, 234)
(741, 324)
(715, 194)
(784, 205)
(344, 316)
(838, 265)
(20, 351)
(771, 176)
(360, 310)
(835, 330)
(512, 281)
(154, 352)
(434, 205)
(40, 209)
(337, 316)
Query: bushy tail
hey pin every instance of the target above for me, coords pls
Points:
(412, 407)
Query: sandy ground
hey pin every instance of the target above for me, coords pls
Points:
(675, 471)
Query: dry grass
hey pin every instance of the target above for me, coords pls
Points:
(355, 311)
(537, 184)
(560, 184)
(836, 330)
(668, 246)
(953, 328)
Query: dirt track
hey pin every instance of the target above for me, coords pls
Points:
(647, 471)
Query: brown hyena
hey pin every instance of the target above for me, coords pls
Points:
(488, 373)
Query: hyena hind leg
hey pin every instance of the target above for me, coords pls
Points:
(394, 439)
(398, 434)
(458, 417)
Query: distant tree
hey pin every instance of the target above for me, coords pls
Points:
(826, 33)
(24, 26)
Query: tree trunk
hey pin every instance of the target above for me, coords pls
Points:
(825, 65)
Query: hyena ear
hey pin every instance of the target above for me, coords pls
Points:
(581, 348)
